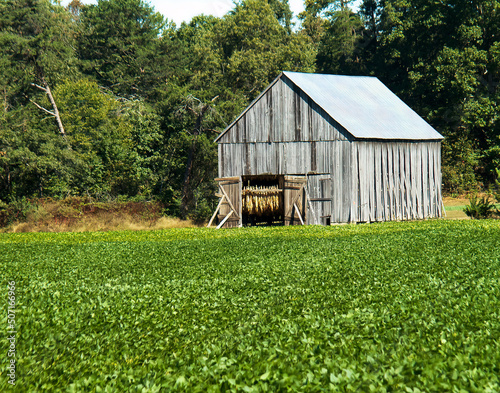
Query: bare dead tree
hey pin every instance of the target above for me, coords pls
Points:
(55, 111)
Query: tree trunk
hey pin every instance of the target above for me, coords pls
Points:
(187, 179)
(54, 106)
(189, 163)
(186, 188)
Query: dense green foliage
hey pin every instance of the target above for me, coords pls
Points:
(141, 100)
(383, 307)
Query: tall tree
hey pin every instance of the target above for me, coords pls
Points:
(442, 58)
(118, 45)
(232, 58)
(282, 12)
(256, 47)
(339, 47)
(36, 54)
(337, 32)
(198, 109)
(37, 41)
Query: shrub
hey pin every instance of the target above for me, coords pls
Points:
(17, 210)
(480, 208)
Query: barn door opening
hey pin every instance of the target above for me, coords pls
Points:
(295, 200)
(319, 193)
(262, 199)
(228, 212)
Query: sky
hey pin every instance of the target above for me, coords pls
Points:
(183, 10)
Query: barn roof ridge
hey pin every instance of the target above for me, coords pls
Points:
(362, 105)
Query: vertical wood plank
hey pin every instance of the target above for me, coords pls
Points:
(371, 168)
(358, 178)
(220, 162)
(346, 181)
(355, 184)
(390, 173)
(401, 179)
(438, 179)
(385, 184)
(408, 184)
(378, 181)
(363, 176)
(431, 180)
(418, 177)
(335, 185)
(425, 180)
(413, 180)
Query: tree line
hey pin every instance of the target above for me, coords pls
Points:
(114, 100)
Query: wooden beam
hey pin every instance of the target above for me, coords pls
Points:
(298, 213)
(224, 220)
(316, 222)
(229, 179)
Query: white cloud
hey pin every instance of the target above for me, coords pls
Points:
(183, 10)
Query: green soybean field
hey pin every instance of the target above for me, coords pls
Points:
(392, 307)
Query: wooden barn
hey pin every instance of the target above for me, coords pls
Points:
(324, 149)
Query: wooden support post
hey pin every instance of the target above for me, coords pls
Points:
(216, 210)
(224, 220)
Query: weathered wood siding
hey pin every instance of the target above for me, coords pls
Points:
(284, 158)
(369, 180)
(294, 198)
(396, 181)
(319, 204)
(284, 114)
(296, 158)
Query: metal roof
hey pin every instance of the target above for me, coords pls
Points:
(364, 106)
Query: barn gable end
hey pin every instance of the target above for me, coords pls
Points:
(283, 113)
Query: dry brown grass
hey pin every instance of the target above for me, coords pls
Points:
(454, 207)
(101, 223)
(458, 201)
(75, 215)
(455, 215)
